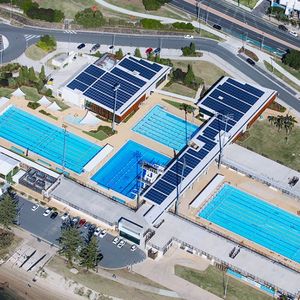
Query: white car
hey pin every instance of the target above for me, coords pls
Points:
(133, 248)
(188, 36)
(116, 240)
(294, 33)
(47, 212)
(103, 233)
(35, 207)
(65, 216)
(97, 231)
(121, 244)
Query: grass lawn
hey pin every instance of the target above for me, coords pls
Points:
(35, 53)
(209, 35)
(294, 72)
(212, 280)
(248, 3)
(101, 133)
(209, 72)
(180, 89)
(265, 139)
(4, 92)
(31, 93)
(101, 284)
(280, 75)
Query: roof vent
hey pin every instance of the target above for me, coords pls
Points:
(135, 73)
(220, 98)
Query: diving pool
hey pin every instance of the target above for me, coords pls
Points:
(45, 139)
(122, 172)
(256, 220)
(165, 128)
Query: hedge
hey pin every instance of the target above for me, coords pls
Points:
(151, 24)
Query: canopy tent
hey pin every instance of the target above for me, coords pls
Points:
(54, 106)
(90, 119)
(3, 101)
(7, 164)
(18, 93)
(44, 101)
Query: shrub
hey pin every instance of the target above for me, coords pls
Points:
(47, 43)
(151, 24)
(119, 54)
(154, 4)
(33, 105)
(6, 238)
(90, 18)
(292, 59)
(189, 50)
(137, 52)
(183, 26)
(48, 93)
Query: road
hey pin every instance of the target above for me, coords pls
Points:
(227, 10)
(16, 37)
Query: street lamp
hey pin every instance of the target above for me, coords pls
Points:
(116, 88)
(198, 15)
(64, 148)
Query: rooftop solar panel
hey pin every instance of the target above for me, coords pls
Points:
(246, 87)
(95, 71)
(128, 77)
(155, 196)
(75, 84)
(100, 97)
(153, 66)
(132, 66)
(86, 78)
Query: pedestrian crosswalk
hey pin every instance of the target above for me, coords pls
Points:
(70, 31)
(31, 36)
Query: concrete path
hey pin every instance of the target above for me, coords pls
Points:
(162, 92)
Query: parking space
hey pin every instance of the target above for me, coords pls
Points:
(49, 230)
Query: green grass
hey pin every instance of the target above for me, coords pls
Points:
(5, 92)
(102, 133)
(265, 139)
(48, 114)
(31, 93)
(35, 53)
(180, 89)
(281, 76)
(294, 72)
(248, 3)
(173, 103)
(212, 280)
(209, 35)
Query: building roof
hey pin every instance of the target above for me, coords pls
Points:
(98, 80)
(7, 164)
(219, 247)
(232, 105)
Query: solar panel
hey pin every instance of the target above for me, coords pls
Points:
(95, 71)
(128, 77)
(153, 66)
(219, 125)
(100, 97)
(189, 160)
(86, 78)
(132, 66)
(75, 84)
(199, 154)
(164, 187)
(246, 87)
(155, 196)
(179, 168)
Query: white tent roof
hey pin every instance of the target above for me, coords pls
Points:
(18, 93)
(3, 100)
(54, 106)
(90, 119)
(44, 101)
(7, 164)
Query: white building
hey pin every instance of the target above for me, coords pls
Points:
(290, 6)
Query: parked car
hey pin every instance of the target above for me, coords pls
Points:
(54, 215)
(282, 27)
(87, 225)
(148, 50)
(81, 222)
(82, 45)
(116, 240)
(216, 26)
(75, 221)
(35, 207)
(103, 233)
(111, 47)
(293, 33)
(188, 36)
(97, 231)
(133, 248)
(47, 212)
(92, 228)
(65, 216)
(121, 244)
(250, 61)
(157, 51)
(95, 47)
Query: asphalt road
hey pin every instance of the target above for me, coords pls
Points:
(240, 15)
(49, 230)
(18, 43)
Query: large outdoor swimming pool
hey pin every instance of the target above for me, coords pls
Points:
(123, 171)
(255, 220)
(45, 139)
(165, 128)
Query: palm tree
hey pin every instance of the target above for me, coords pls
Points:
(288, 124)
(271, 119)
(187, 109)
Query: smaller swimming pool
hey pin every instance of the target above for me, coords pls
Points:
(73, 119)
(165, 128)
(122, 172)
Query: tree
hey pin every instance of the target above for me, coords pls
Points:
(70, 242)
(42, 75)
(288, 124)
(137, 53)
(90, 254)
(119, 54)
(151, 24)
(292, 59)
(31, 75)
(189, 77)
(154, 4)
(187, 109)
(8, 211)
(90, 18)
(47, 43)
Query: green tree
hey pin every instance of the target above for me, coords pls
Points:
(189, 77)
(8, 211)
(31, 75)
(70, 243)
(42, 74)
(288, 124)
(137, 52)
(187, 109)
(47, 43)
(151, 24)
(292, 59)
(90, 254)
(154, 4)
(90, 18)
(119, 54)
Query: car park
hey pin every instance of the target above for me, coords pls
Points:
(216, 26)
(97, 231)
(121, 244)
(148, 50)
(116, 240)
(54, 215)
(133, 248)
(82, 45)
(103, 233)
(188, 36)
(293, 33)
(35, 207)
(47, 212)
(65, 216)
(250, 61)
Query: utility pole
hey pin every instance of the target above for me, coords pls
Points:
(64, 148)
(198, 3)
(116, 88)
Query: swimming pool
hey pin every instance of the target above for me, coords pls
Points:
(165, 128)
(255, 220)
(45, 139)
(122, 171)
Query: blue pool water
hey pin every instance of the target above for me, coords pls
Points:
(165, 128)
(255, 220)
(73, 119)
(45, 139)
(122, 171)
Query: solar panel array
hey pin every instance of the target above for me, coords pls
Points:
(98, 84)
(230, 100)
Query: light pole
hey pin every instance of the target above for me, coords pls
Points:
(116, 88)
(198, 15)
(262, 42)
(64, 148)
